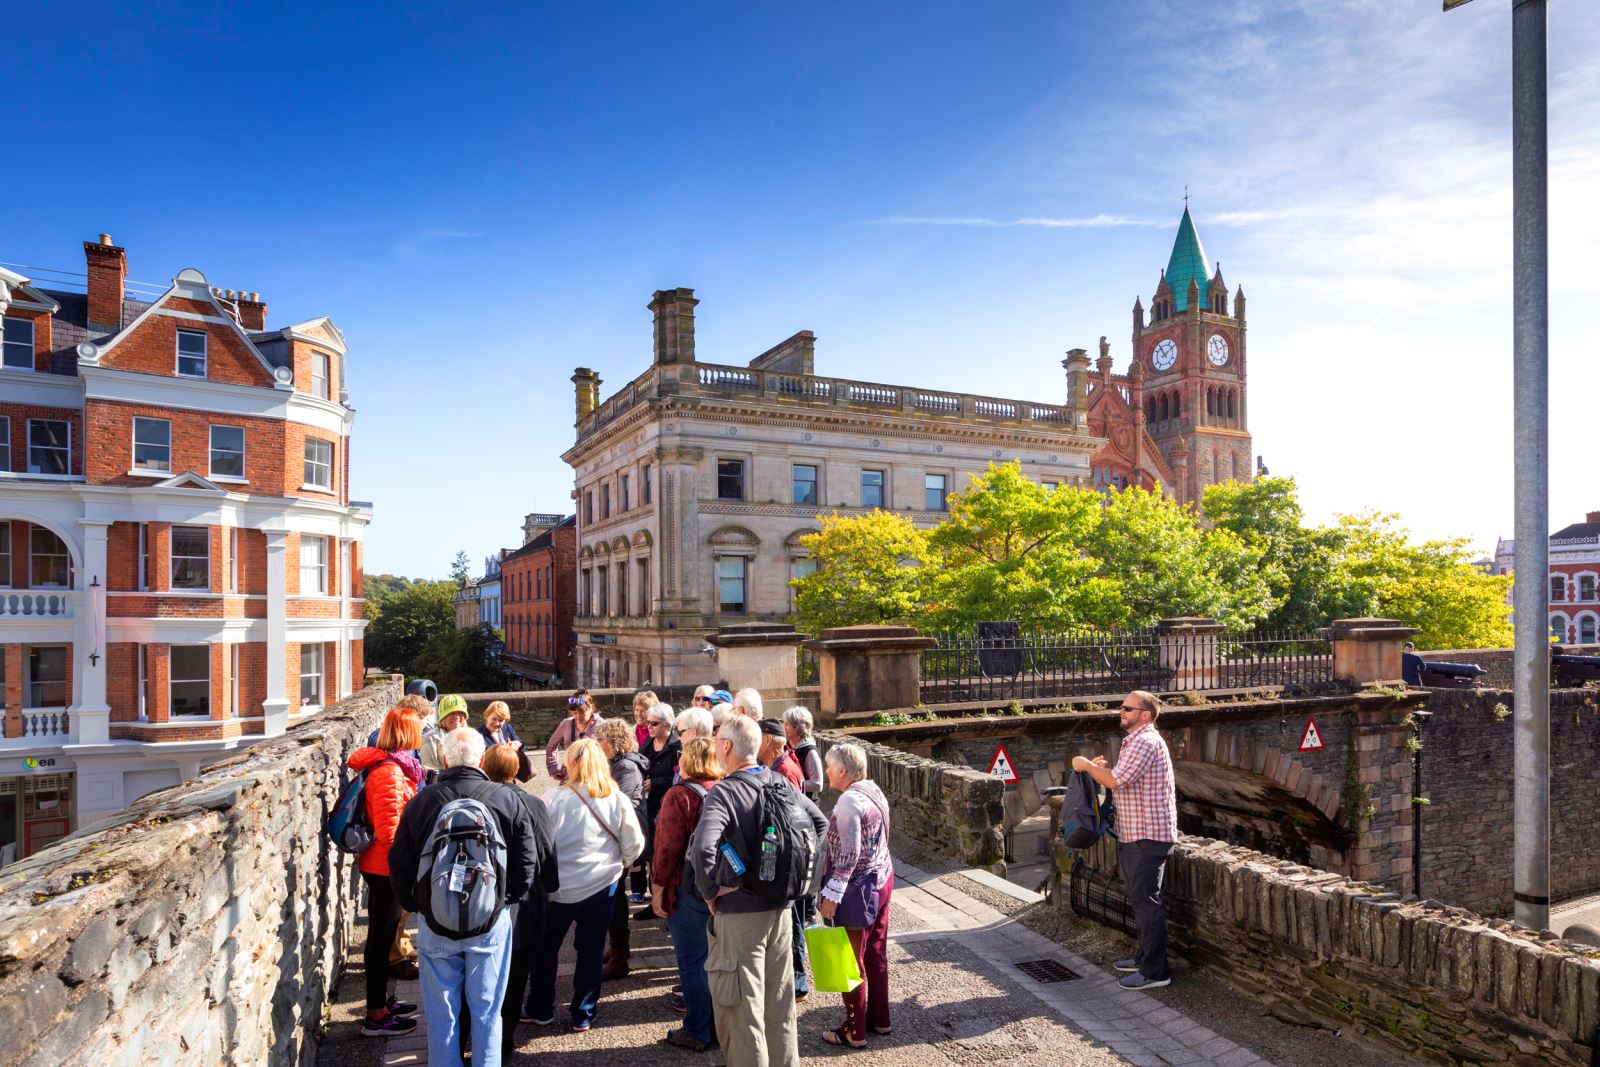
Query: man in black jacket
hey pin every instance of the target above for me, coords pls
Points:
(466, 976)
(749, 941)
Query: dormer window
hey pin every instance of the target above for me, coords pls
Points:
(191, 354)
(18, 346)
(320, 365)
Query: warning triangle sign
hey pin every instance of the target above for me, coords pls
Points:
(1312, 739)
(1001, 766)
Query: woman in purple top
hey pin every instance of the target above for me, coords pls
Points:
(857, 859)
(584, 722)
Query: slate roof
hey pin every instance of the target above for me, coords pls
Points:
(1577, 529)
(70, 327)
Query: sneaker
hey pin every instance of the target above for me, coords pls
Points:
(400, 1007)
(801, 994)
(1139, 981)
(678, 988)
(539, 1022)
(581, 1028)
(387, 1026)
(637, 898)
(680, 1038)
(1127, 966)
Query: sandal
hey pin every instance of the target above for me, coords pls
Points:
(841, 1039)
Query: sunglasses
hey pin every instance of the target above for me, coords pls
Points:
(702, 700)
(1130, 707)
(575, 701)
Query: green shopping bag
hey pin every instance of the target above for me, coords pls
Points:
(833, 960)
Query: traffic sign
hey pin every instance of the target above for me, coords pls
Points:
(1001, 766)
(1311, 740)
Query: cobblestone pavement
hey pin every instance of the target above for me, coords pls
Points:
(959, 997)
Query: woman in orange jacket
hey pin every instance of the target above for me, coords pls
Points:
(393, 774)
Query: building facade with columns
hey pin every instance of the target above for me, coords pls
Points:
(695, 482)
(180, 562)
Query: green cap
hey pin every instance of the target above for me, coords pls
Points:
(451, 704)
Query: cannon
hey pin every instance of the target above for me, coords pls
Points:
(1451, 675)
(1571, 672)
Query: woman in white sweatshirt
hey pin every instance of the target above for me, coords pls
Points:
(597, 837)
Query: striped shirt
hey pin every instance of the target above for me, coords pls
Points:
(1147, 799)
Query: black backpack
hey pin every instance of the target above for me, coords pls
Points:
(784, 863)
(1085, 817)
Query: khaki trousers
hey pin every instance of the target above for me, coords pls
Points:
(750, 968)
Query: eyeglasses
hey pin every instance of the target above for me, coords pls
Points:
(1130, 707)
(702, 700)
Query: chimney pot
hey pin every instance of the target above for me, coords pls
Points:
(105, 239)
(255, 298)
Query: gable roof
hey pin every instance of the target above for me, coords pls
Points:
(1187, 263)
(189, 480)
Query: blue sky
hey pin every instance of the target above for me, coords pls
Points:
(951, 195)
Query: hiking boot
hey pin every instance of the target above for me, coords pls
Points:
(680, 1038)
(386, 1025)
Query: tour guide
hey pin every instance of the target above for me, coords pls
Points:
(1147, 827)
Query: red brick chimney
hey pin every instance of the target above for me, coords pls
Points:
(1593, 516)
(108, 269)
(252, 312)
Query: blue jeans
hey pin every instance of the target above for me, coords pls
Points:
(801, 910)
(592, 916)
(473, 971)
(687, 924)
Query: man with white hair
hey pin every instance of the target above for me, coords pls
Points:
(462, 975)
(747, 702)
(739, 858)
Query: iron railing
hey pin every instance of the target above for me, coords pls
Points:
(806, 670)
(1002, 662)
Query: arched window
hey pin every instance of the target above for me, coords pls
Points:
(1586, 630)
(1211, 400)
(1558, 627)
(1177, 405)
(1233, 404)
(1162, 409)
(1150, 409)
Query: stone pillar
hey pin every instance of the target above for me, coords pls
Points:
(1188, 649)
(1366, 652)
(761, 655)
(869, 668)
(90, 715)
(587, 392)
(673, 312)
(1077, 368)
(275, 708)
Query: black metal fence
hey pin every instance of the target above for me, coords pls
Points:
(806, 670)
(1002, 662)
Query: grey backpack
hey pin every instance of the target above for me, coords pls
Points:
(463, 871)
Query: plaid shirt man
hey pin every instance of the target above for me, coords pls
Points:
(1147, 799)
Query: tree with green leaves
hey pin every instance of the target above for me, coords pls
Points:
(869, 570)
(407, 622)
(461, 570)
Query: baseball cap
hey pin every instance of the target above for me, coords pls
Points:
(452, 703)
(722, 696)
(771, 727)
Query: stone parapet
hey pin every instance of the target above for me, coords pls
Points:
(1367, 651)
(935, 804)
(1439, 984)
(205, 924)
(761, 655)
(869, 668)
(536, 713)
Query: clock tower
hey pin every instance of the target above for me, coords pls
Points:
(1192, 355)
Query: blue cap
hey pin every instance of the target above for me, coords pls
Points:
(721, 696)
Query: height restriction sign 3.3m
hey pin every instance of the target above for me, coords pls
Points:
(1002, 767)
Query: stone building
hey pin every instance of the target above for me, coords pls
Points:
(696, 481)
(467, 608)
(1574, 579)
(1177, 420)
(537, 586)
(180, 561)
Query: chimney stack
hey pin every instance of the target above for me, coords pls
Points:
(674, 325)
(588, 391)
(107, 270)
(1077, 367)
(1593, 516)
(252, 312)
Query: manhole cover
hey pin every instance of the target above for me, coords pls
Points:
(1047, 971)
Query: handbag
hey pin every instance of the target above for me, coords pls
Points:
(833, 959)
(858, 907)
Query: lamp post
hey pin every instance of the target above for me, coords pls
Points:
(1531, 439)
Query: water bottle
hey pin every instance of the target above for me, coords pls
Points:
(769, 854)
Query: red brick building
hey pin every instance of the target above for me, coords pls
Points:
(538, 591)
(1177, 418)
(1574, 578)
(180, 562)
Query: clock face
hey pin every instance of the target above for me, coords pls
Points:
(1217, 350)
(1164, 355)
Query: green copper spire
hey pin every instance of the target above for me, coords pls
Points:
(1188, 262)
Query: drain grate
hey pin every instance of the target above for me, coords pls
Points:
(1047, 971)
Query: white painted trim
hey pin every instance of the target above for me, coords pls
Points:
(220, 320)
(190, 284)
(157, 390)
(27, 447)
(19, 476)
(154, 475)
(177, 350)
(228, 479)
(133, 445)
(33, 343)
(33, 389)
(244, 452)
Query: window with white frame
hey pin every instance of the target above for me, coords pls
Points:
(311, 676)
(320, 365)
(1558, 587)
(18, 345)
(1558, 627)
(319, 463)
(49, 446)
(152, 444)
(191, 353)
(804, 479)
(5, 556)
(189, 681)
(731, 583)
(49, 566)
(872, 488)
(46, 683)
(313, 564)
(5, 444)
(235, 568)
(730, 479)
(144, 555)
(935, 492)
(227, 451)
(191, 557)
(1586, 630)
(1586, 587)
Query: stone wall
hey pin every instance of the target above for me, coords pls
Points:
(1440, 984)
(205, 924)
(536, 713)
(935, 804)
(1467, 824)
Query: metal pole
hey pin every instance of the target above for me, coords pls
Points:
(1530, 391)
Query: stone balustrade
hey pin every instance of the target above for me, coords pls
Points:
(36, 604)
(205, 924)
